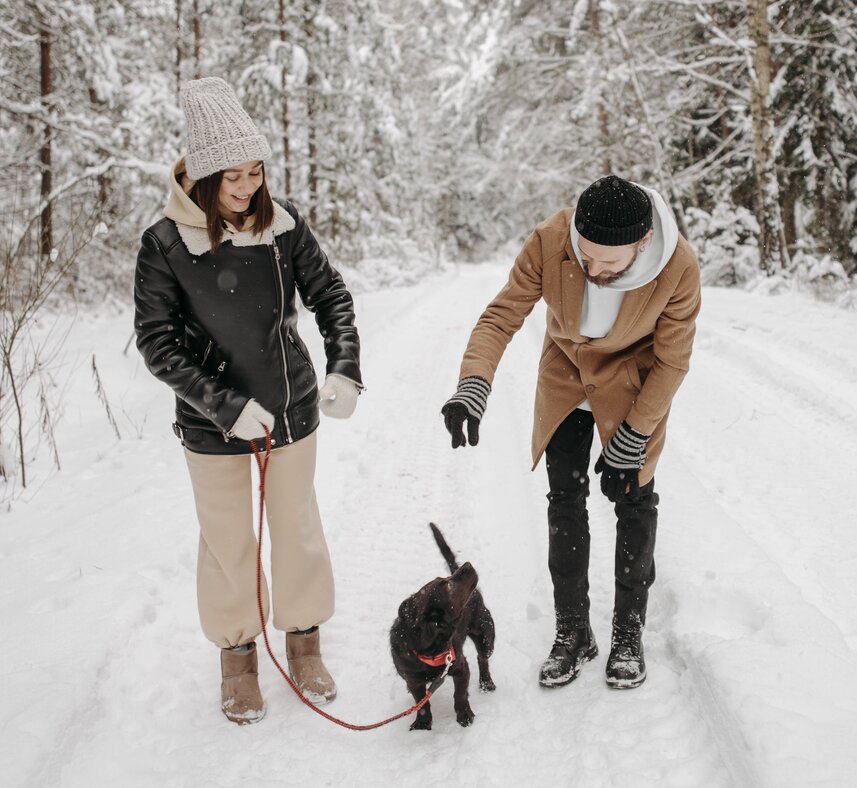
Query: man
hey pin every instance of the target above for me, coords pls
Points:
(622, 292)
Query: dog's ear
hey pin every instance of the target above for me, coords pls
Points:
(408, 610)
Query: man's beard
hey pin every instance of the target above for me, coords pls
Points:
(602, 280)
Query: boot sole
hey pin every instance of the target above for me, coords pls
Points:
(249, 718)
(317, 698)
(587, 656)
(621, 684)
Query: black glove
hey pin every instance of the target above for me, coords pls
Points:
(467, 404)
(620, 463)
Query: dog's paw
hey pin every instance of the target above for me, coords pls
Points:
(487, 685)
(465, 718)
(422, 722)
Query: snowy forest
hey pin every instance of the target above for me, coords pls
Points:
(435, 130)
(411, 133)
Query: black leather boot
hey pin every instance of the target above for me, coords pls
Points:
(570, 651)
(567, 462)
(626, 665)
(636, 526)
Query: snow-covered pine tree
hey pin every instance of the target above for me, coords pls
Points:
(815, 106)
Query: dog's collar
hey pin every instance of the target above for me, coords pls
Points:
(438, 659)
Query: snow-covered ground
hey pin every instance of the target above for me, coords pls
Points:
(752, 635)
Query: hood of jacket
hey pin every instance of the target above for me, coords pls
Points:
(191, 224)
(651, 261)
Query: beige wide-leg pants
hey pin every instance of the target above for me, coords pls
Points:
(302, 587)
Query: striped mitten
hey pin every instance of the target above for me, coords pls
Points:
(467, 404)
(620, 463)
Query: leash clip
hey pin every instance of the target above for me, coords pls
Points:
(449, 660)
(435, 685)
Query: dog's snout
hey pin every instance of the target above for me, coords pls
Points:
(466, 575)
(468, 571)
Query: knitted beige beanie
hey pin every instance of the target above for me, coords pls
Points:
(220, 134)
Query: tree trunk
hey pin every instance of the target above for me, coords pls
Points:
(691, 158)
(284, 102)
(178, 47)
(46, 220)
(603, 118)
(312, 119)
(104, 180)
(772, 253)
(197, 40)
(334, 210)
(790, 199)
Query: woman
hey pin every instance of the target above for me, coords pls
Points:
(216, 320)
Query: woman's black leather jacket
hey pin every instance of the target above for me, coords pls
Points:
(221, 327)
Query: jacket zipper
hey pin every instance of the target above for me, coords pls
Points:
(297, 347)
(282, 304)
(208, 348)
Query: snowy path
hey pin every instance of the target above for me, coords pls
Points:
(753, 617)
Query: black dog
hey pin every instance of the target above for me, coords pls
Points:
(432, 625)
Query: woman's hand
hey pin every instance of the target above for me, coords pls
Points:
(338, 396)
(251, 422)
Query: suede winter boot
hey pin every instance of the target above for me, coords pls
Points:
(626, 665)
(571, 650)
(308, 671)
(240, 696)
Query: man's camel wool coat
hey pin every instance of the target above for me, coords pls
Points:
(632, 373)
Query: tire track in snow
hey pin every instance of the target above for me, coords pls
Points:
(768, 422)
(722, 722)
(87, 716)
(823, 397)
(715, 611)
(746, 553)
(393, 472)
(703, 692)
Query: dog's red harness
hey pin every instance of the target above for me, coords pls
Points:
(438, 659)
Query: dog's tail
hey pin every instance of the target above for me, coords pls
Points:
(444, 548)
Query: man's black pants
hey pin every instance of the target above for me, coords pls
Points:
(567, 458)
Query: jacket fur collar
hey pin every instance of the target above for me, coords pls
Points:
(197, 241)
(190, 219)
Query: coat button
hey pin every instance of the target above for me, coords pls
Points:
(590, 388)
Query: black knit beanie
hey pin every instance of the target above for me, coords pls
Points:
(613, 212)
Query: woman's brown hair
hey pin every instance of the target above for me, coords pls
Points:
(205, 194)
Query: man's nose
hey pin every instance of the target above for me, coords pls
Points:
(595, 268)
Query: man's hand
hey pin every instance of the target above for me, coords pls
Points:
(467, 404)
(620, 463)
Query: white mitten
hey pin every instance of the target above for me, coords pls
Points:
(338, 396)
(251, 422)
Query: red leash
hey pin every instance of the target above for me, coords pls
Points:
(263, 467)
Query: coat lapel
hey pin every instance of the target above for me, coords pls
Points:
(573, 285)
(632, 307)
